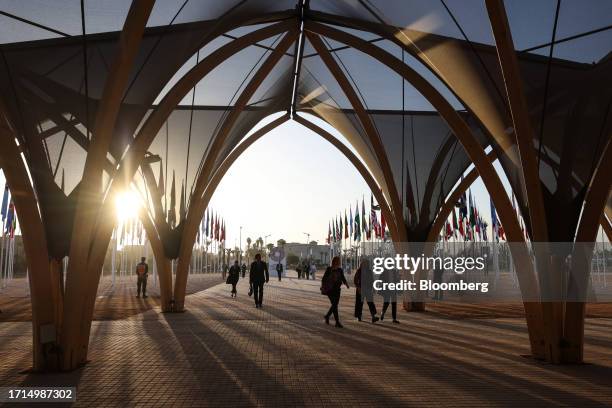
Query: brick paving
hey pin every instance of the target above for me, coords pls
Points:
(224, 352)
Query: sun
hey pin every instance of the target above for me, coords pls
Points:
(127, 204)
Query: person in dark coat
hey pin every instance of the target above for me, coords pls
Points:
(233, 277)
(279, 270)
(244, 268)
(257, 277)
(390, 296)
(142, 271)
(364, 290)
(332, 285)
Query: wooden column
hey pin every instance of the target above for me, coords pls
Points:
(43, 279)
(595, 202)
(83, 269)
(526, 273)
(137, 150)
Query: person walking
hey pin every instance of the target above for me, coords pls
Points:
(142, 272)
(244, 268)
(233, 277)
(298, 269)
(306, 270)
(257, 277)
(279, 270)
(364, 291)
(313, 271)
(331, 285)
(390, 296)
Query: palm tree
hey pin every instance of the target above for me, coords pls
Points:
(260, 243)
(281, 242)
(270, 246)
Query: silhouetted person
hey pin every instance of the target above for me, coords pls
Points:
(331, 285)
(279, 270)
(298, 269)
(142, 271)
(313, 270)
(389, 296)
(364, 290)
(243, 268)
(306, 270)
(233, 277)
(257, 277)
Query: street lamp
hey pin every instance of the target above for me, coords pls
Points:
(308, 255)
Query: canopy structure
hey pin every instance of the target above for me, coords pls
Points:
(160, 95)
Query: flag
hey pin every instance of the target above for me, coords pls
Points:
(449, 231)
(363, 217)
(14, 225)
(346, 227)
(160, 185)
(368, 229)
(182, 208)
(5, 196)
(383, 226)
(206, 223)
(333, 231)
(328, 233)
(357, 223)
(172, 209)
(9, 217)
(223, 230)
(351, 220)
(455, 225)
(493, 221)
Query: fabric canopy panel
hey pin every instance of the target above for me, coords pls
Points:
(568, 99)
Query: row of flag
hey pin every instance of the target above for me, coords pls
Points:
(7, 211)
(469, 224)
(212, 226)
(360, 227)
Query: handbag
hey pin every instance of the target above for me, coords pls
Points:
(250, 289)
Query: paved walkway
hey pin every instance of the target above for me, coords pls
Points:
(224, 352)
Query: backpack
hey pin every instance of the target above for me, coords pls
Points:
(140, 269)
(330, 281)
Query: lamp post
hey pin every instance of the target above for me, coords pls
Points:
(308, 254)
(266, 242)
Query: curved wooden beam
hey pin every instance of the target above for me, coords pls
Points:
(607, 227)
(83, 275)
(155, 121)
(398, 232)
(526, 273)
(193, 220)
(44, 281)
(508, 64)
(198, 206)
(450, 202)
(594, 207)
(433, 175)
(366, 122)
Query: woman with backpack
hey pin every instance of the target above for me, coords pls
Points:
(331, 285)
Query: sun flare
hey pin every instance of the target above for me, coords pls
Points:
(127, 205)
